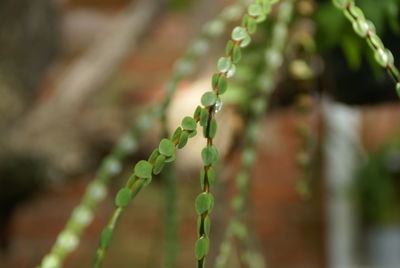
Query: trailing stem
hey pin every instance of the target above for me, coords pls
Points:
(236, 227)
(366, 30)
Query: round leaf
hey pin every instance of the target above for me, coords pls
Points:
(245, 42)
(255, 10)
(143, 169)
(251, 25)
(239, 33)
(183, 139)
(159, 164)
(207, 225)
(204, 202)
(222, 85)
(236, 55)
(208, 99)
(123, 197)
(211, 175)
(201, 247)
(177, 133)
(209, 155)
(202, 177)
(192, 133)
(153, 156)
(204, 117)
(170, 159)
(229, 47)
(166, 147)
(213, 128)
(223, 65)
(214, 80)
(106, 236)
(199, 225)
(188, 123)
(197, 112)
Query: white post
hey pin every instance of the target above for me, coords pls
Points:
(342, 155)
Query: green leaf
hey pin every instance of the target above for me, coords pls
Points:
(242, 180)
(340, 3)
(106, 236)
(183, 139)
(204, 117)
(159, 164)
(223, 65)
(249, 157)
(237, 203)
(170, 159)
(211, 175)
(199, 225)
(197, 112)
(204, 202)
(239, 33)
(229, 47)
(237, 54)
(209, 98)
(260, 18)
(245, 20)
(267, 6)
(222, 85)
(123, 197)
(255, 10)
(166, 147)
(205, 134)
(251, 25)
(153, 156)
(201, 247)
(192, 133)
(209, 155)
(177, 133)
(214, 80)
(188, 123)
(143, 169)
(202, 177)
(213, 128)
(207, 225)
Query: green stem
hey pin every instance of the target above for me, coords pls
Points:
(366, 30)
(68, 239)
(257, 13)
(236, 228)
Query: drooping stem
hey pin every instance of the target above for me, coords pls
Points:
(236, 226)
(303, 51)
(82, 215)
(226, 66)
(366, 30)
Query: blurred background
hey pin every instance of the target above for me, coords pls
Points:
(76, 74)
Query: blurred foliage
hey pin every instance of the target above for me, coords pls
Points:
(180, 4)
(377, 187)
(334, 31)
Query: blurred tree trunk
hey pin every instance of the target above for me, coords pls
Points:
(29, 37)
(51, 128)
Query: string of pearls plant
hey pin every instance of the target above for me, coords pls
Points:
(165, 153)
(204, 115)
(303, 48)
(267, 83)
(210, 100)
(82, 215)
(366, 29)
